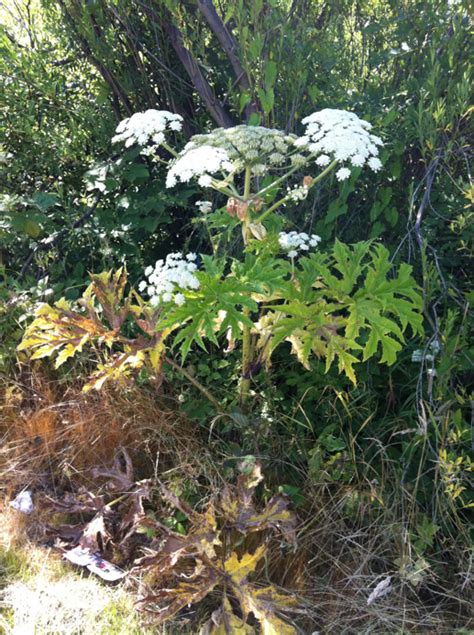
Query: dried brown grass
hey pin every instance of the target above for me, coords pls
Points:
(52, 436)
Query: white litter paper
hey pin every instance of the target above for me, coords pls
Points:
(105, 570)
(23, 502)
(94, 563)
(79, 556)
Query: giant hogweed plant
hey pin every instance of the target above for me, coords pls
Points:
(345, 305)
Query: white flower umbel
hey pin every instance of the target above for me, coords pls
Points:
(227, 150)
(295, 243)
(146, 127)
(340, 135)
(342, 174)
(168, 278)
(198, 162)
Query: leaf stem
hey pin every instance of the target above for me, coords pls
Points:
(195, 383)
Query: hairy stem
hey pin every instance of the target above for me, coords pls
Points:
(246, 348)
(246, 361)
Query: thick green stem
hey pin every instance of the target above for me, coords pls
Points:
(246, 362)
(246, 220)
(246, 337)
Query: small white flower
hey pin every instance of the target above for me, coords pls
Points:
(198, 162)
(293, 242)
(375, 164)
(204, 206)
(147, 127)
(205, 180)
(343, 174)
(170, 277)
(230, 150)
(323, 159)
(142, 285)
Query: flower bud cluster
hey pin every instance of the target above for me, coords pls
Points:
(255, 146)
(228, 150)
(143, 127)
(298, 193)
(294, 242)
(169, 277)
(340, 135)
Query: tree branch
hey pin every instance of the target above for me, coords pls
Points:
(118, 92)
(200, 83)
(229, 45)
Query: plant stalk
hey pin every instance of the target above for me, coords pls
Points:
(246, 338)
(195, 383)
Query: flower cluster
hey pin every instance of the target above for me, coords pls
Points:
(143, 127)
(229, 150)
(255, 146)
(340, 135)
(198, 162)
(169, 277)
(298, 193)
(294, 242)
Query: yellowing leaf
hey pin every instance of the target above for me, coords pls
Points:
(70, 350)
(263, 603)
(239, 569)
(272, 625)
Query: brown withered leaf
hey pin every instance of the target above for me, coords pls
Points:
(204, 534)
(132, 513)
(240, 512)
(172, 549)
(109, 287)
(83, 502)
(167, 602)
(235, 500)
(120, 475)
(275, 515)
(95, 535)
(225, 622)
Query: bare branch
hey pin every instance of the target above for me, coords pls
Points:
(229, 45)
(200, 83)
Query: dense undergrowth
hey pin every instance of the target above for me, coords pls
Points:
(361, 521)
